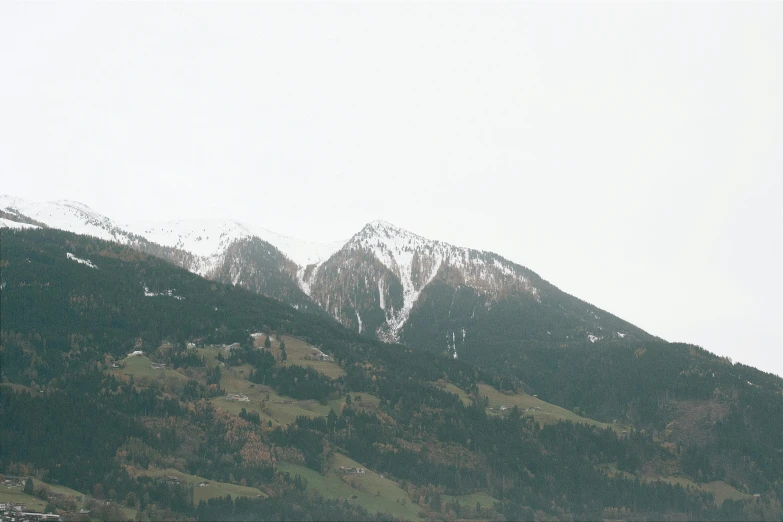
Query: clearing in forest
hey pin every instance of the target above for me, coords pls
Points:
(302, 354)
(370, 490)
(543, 412)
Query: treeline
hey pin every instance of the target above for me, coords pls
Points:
(291, 505)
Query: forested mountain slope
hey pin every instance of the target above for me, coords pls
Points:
(77, 411)
(384, 282)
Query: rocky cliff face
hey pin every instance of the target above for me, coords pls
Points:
(377, 278)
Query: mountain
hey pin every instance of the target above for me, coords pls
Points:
(210, 240)
(384, 282)
(435, 437)
(65, 215)
(381, 272)
(226, 251)
(398, 286)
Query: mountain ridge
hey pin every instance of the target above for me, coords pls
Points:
(384, 282)
(67, 329)
(208, 240)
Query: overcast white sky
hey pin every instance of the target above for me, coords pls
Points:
(631, 154)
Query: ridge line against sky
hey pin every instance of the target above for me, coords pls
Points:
(628, 153)
(361, 227)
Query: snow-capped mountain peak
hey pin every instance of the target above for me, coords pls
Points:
(372, 281)
(410, 263)
(209, 238)
(65, 215)
(384, 229)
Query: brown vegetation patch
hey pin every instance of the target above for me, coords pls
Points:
(693, 421)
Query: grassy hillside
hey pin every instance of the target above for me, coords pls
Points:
(263, 400)
(65, 500)
(301, 353)
(371, 490)
(15, 495)
(142, 370)
(214, 489)
(718, 488)
(543, 412)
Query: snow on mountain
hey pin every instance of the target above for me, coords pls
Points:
(81, 261)
(404, 254)
(66, 215)
(411, 261)
(209, 238)
(415, 262)
(7, 223)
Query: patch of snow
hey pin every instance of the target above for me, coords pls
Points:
(593, 338)
(303, 283)
(80, 260)
(167, 293)
(7, 223)
(359, 318)
(381, 290)
(321, 355)
(452, 345)
(621, 335)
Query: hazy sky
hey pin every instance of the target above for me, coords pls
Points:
(631, 154)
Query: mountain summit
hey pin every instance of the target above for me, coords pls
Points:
(389, 269)
(385, 282)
